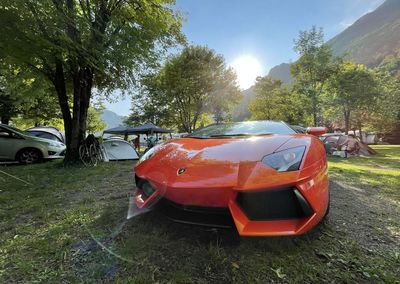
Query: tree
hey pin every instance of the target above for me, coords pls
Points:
(94, 121)
(150, 105)
(77, 45)
(383, 113)
(353, 89)
(25, 96)
(190, 84)
(275, 102)
(314, 67)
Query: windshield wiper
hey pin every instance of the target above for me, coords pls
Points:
(240, 134)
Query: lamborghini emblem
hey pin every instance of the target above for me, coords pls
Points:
(181, 171)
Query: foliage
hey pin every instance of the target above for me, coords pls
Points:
(150, 105)
(25, 96)
(385, 116)
(314, 67)
(190, 84)
(274, 102)
(94, 121)
(352, 90)
(78, 45)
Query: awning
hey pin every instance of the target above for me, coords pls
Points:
(148, 128)
(121, 130)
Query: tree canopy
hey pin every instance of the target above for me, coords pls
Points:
(275, 102)
(78, 45)
(191, 83)
(314, 67)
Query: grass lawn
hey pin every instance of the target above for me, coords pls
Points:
(69, 224)
(380, 171)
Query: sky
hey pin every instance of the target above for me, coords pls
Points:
(256, 35)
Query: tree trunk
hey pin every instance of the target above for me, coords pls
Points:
(314, 117)
(75, 124)
(347, 120)
(315, 109)
(82, 86)
(5, 120)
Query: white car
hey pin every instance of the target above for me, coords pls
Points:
(17, 145)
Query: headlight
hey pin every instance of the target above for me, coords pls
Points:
(53, 144)
(147, 155)
(286, 160)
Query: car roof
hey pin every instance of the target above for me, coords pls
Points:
(48, 129)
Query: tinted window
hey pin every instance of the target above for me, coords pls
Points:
(246, 128)
(332, 139)
(45, 135)
(5, 133)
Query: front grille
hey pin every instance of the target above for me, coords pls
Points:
(279, 204)
(198, 215)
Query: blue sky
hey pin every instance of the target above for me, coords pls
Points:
(262, 29)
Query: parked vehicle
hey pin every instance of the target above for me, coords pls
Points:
(17, 145)
(261, 177)
(47, 132)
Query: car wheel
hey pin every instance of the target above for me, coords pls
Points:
(329, 206)
(29, 156)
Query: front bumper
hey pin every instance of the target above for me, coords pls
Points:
(291, 205)
(55, 153)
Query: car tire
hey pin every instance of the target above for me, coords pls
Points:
(29, 156)
(328, 208)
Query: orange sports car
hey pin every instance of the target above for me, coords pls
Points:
(260, 176)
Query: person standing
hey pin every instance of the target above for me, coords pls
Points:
(137, 143)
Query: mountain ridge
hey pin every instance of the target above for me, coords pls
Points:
(369, 40)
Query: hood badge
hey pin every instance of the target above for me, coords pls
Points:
(180, 171)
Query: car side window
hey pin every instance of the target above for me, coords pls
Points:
(4, 133)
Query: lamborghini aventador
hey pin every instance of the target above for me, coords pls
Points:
(262, 177)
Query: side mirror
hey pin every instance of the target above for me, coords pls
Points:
(316, 131)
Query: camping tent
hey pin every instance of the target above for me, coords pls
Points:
(118, 149)
(333, 142)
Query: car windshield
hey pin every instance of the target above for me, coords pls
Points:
(246, 128)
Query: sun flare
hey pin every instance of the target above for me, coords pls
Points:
(247, 69)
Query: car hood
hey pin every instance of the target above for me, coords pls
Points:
(232, 150)
(210, 161)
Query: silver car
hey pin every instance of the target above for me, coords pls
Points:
(17, 145)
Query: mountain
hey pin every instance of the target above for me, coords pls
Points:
(281, 72)
(112, 119)
(372, 37)
(369, 40)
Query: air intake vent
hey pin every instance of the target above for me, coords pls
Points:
(279, 204)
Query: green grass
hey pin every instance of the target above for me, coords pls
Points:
(381, 171)
(69, 225)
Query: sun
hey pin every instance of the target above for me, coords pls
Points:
(247, 69)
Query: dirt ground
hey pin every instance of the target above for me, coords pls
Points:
(366, 217)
